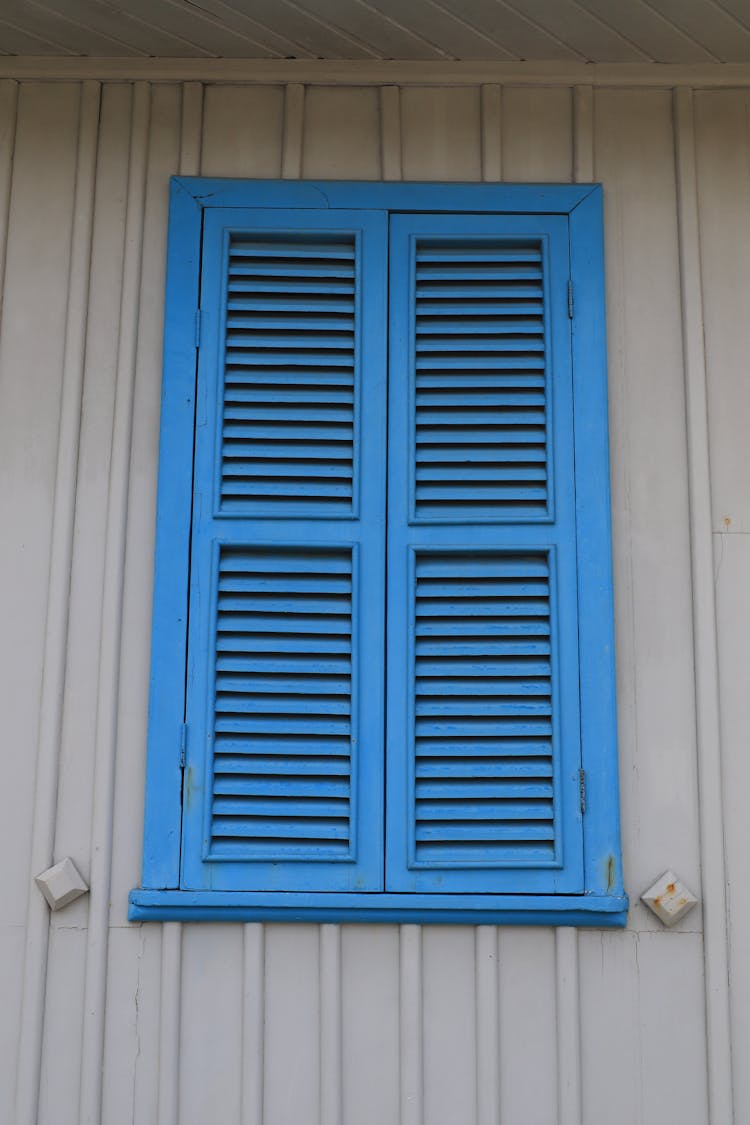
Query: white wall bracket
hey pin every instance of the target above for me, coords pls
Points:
(669, 899)
(61, 884)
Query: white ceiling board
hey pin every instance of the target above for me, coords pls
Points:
(142, 38)
(644, 27)
(598, 31)
(306, 25)
(189, 21)
(247, 22)
(14, 41)
(456, 37)
(583, 32)
(722, 34)
(386, 36)
(514, 31)
(737, 8)
(65, 33)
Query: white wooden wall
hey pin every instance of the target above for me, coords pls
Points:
(374, 1025)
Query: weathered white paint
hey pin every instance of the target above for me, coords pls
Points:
(274, 1025)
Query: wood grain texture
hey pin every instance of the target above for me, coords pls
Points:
(40, 217)
(711, 797)
(242, 131)
(441, 137)
(651, 546)
(596, 30)
(732, 558)
(341, 135)
(723, 167)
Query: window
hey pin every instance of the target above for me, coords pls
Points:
(382, 667)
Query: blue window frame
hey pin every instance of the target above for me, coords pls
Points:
(382, 664)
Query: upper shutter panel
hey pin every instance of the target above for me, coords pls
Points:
(480, 410)
(483, 735)
(284, 771)
(289, 401)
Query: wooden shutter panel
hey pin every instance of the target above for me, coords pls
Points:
(483, 738)
(284, 779)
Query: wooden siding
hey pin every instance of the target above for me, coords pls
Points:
(280, 1024)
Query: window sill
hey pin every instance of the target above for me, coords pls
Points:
(253, 906)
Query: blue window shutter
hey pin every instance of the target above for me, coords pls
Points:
(285, 779)
(483, 743)
(284, 767)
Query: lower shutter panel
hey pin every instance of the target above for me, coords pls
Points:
(483, 702)
(283, 704)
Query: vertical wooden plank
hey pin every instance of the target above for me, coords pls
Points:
(112, 602)
(672, 1031)
(8, 107)
(330, 1025)
(611, 1028)
(292, 1047)
(537, 131)
(723, 161)
(487, 1025)
(294, 120)
(492, 131)
(211, 1040)
(390, 132)
(242, 131)
(12, 945)
(174, 145)
(61, 551)
(170, 1017)
(370, 1002)
(710, 809)
(253, 1022)
(568, 1027)
(583, 134)
(651, 546)
(732, 553)
(191, 133)
(342, 133)
(411, 1026)
(527, 972)
(59, 1078)
(449, 1025)
(77, 750)
(37, 264)
(75, 789)
(441, 133)
(131, 1047)
(163, 157)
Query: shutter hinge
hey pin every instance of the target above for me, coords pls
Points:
(183, 744)
(198, 318)
(570, 298)
(582, 789)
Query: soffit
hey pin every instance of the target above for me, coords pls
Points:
(598, 31)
